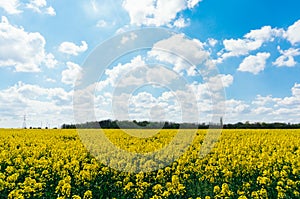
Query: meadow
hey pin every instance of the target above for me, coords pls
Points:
(42, 163)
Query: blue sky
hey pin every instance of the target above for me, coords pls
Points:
(253, 45)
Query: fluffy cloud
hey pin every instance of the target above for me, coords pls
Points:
(287, 57)
(131, 37)
(219, 82)
(72, 49)
(254, 63)
(256, 38)
(180, 23)
(157, 13)
(266, 33)
(235, 108)
(292, 34)
(11, 6)
(251, 41)
(101, 24)
(240, 47)
(265, 100)
(272, 109)
(71, 74)
(25, 51)
(265, 108)
(53, 105)
(296, 90)
(167, 106)
(114, 74)
(180, 52)
(212, 42)
(40, 6)
(16, 7)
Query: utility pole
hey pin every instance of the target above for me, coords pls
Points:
(24, 122)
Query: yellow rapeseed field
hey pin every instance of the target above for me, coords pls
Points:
(243, 164)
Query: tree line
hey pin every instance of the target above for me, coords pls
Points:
(115, 124)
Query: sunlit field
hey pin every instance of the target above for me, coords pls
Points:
(243, 164)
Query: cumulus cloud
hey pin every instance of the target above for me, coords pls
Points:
(50, 61)
(292, 33)
(287, 57)
(237, 47)
(140, 75)
(256, 38)
(157, 13)
(131, 37)
(16, 7)
(101, 24)
(116, 72)
(212, 42)
(265, 108)
(251, 41)
(219, 82)
(296, 90)
(266, 33)
(285, 109)
(180, 23)
(180, 51)
(40, 6)
(265, 100)
(25, 51)
(71, 74)
(72, 49)
(234, 108)
(53, 105)
(254, 63)
(11, 6)
(50, 80)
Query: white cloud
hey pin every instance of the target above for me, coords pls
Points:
(219, 81)
(235, 107)
(50, 80)
(40, 6)
(251, 41)
(254, 63)
(50, 61)
(72, 49)
(156, 13)
(212, 42)
(116, 72)
(240, 47)
(180, 51)
(266, 108)
(226, 79)
(270, 109)
(10, 6)
(25, 51)
(296, 90)
(292, 34)
(262, 110)
(50, 11)
(131, 37)
(16, 7)
(101, 24)
(287, 57)
(71, 74)
(143, 75)
(265, 100)
(266, 33)
(180, 23)
(193, 3)
(52, 105)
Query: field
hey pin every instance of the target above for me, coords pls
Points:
(243, 164)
